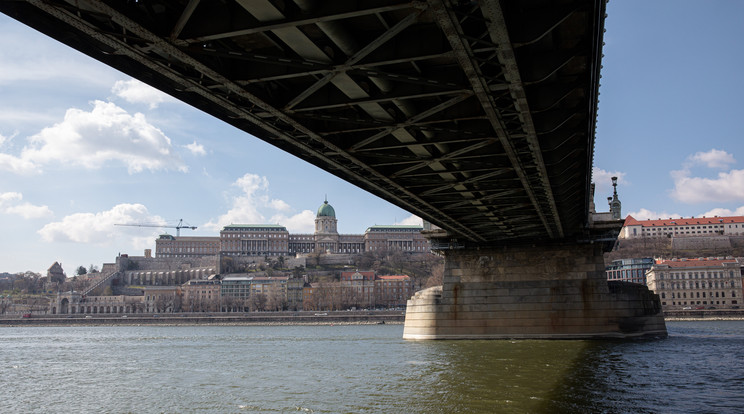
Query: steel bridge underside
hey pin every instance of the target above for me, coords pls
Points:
(478, 116)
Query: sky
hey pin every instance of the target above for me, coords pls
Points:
(84, 147)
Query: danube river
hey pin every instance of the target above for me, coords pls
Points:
(363, 369)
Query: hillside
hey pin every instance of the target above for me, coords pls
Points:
(689, 247)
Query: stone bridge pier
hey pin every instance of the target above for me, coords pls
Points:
(541, 291)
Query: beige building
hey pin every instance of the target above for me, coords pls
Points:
(682, 227)
(254, 240)
(77, 303)
(262, 240)
(696, 283)
(201, 296)
(162, 298)
(171, 246)
(397, 237)
(359, 288)
(393, 291)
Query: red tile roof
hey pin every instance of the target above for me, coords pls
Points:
(694, 262)
(394, 277)
(630, 221)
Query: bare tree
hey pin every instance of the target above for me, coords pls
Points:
(276, 300)
(436, 277)
(258, 302)
(5, 304)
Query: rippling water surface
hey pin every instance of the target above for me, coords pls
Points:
(364, 369)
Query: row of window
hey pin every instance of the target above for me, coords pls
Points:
(254, 236)
(681, 303)
(698, 285)
(697, 275)
(697, 294)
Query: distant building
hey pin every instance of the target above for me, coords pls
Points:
(254, 240)
(186, 246)
(395, 238)
(359, 288)
(682, 227)
(629, 270)
(201, 295)
(243, 286)
(262, 240)
(693, 283)
(55, 274)
(77, 303)
(393, 291)
(162, 298)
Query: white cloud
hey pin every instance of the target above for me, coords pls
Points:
(9, 197)
(4, 139)
(279, 205)
(727, 186)
(723, 212)
(17, 165)
(134, 91)
(196, 149)
(10, 203)
(105, 135)
(98, 228)
(303, 222)
(713, 159)
(253, 205)
(244, 206)
(644, 214)
(412, 220)
(603, 180)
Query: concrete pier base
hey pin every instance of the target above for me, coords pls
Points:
(541, 292)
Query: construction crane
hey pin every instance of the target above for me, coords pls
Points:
(178, 227)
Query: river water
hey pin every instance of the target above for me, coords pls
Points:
(364, 369)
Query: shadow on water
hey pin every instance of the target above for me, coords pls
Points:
(698, 368)
(526, 376)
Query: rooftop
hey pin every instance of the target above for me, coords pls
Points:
(699, 262)
(275, 227)
(630, 221)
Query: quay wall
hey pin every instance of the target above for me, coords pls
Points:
(258, 318)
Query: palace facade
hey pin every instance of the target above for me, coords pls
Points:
(683, 227)
(275, 240)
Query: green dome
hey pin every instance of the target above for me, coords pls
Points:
(325, 210)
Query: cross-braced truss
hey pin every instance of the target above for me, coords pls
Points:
(478, 116)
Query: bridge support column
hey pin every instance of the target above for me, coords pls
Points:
(539, 291)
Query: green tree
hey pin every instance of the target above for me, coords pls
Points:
(81, 271)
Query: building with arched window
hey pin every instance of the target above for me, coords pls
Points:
(696, 283)
(263, 240)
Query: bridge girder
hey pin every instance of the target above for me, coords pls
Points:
(477, 116)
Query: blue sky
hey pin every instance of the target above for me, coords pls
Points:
(669, 126)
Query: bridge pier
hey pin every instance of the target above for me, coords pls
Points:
(550, 291)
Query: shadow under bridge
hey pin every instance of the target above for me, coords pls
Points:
(477, 116)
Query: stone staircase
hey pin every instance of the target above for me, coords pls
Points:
(101, 282)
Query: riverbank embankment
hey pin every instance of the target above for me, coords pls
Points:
(252, 318)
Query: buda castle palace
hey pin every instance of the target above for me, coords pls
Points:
(263, 240)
